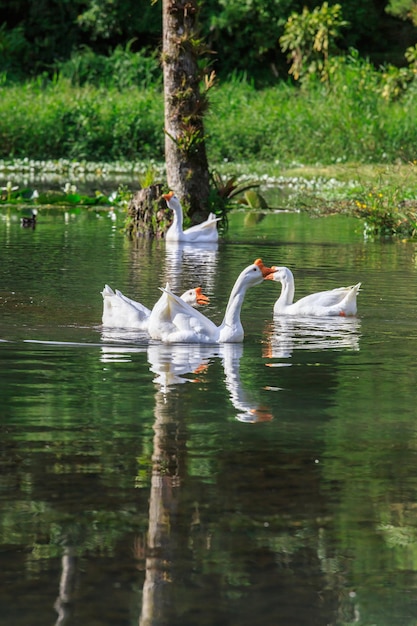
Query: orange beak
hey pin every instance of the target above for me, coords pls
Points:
(200, 297)
(168, 196)
(271, 274)
(266, 271)
(262, 415)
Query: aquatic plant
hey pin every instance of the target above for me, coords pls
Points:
(387, 214)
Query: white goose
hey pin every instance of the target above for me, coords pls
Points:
(122, 312)
(206, 232)
(173, 321)
(341, 301)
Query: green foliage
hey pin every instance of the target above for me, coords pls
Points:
(386, 213)
(88, 123)
(395, 81)
(100, 18)
(122, 69)
(150, 177)
(245, 33)
(38, 38)
(120, 19)
(310, 37)
(67, 196)
(14, 50)
(36, 35)
(405, 9)
(348, 119)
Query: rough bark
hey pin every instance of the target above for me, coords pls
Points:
(148, 214)
(185, 151)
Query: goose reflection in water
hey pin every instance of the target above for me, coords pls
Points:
(285, 334)
(196, 260)
(239, 396)
(120, 343)
(171, 362)
(172, 365)
(163, 546)
(175, 364)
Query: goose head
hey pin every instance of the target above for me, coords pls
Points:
(266, 271)
(195, 296)
(255, 273)
(281, 275)
(172, 201)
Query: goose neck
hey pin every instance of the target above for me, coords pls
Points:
(178, 217)
(234, 304)
(287, 292)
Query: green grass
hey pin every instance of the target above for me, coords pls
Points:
(315, 126)
(90, 123)
(348, 121)
(345, 131)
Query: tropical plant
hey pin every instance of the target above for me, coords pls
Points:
(310, 37)
(228, 192)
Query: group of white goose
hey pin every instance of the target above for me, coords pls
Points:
(175, 319)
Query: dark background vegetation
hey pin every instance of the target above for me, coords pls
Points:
(40, 36)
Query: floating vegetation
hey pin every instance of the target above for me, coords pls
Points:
(384, 197)
(12, 195)
(61, 171)
(65, 182)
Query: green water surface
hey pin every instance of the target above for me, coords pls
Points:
(273, 482)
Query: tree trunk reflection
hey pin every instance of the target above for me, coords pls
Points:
(162, 542)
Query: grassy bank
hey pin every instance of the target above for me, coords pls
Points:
(348, 121)
(339, 147)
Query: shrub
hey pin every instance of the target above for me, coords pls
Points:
(87, 123)
(121, 70)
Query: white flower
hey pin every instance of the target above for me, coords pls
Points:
(70, 188)
(9, 187)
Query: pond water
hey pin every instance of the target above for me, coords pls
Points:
(273, 482)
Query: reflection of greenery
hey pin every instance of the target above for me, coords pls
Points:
(93, 531)
(399, 537)
(370, 449)
(67, 197)
(79, 460)
(398, 527)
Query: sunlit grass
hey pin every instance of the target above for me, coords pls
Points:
(329, 148)
(280, 124)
